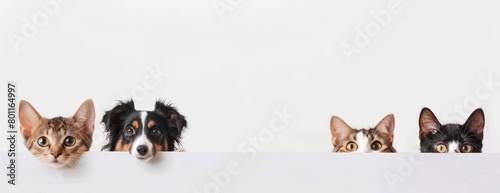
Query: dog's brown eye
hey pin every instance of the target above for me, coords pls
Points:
(156, 132)
(129, 131)
(376, 146)
(69, 141)
(43, 142)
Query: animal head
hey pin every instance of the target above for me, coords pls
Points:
(377, 139)
(451, 138)
(143, 133)
(59, 141)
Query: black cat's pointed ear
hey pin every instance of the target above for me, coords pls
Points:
(28, 118)
(177, 121)
(86, 115)
(339, 129)
(475, 122)
(428, 123)
(386, 125)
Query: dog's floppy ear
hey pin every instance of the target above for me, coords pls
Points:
(112, 120)
(176, 120)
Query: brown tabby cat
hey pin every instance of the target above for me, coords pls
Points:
(59, 141)
(378, 139)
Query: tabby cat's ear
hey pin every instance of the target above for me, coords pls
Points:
(428, 123)
(475, 123)
(86, 115)
(28, 118)
(339, 129)
(386, 125)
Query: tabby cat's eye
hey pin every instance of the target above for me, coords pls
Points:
(441, 148)
(43, 142)
(376, 146)
(351, 146)
(466, 148)
(69, 141)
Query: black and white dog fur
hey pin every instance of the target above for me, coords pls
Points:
(143, 133)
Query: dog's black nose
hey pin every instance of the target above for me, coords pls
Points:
(142, 149)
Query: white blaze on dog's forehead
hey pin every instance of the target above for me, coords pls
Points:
(141, 139)
(362, 142)
(453, 147)
(143, 117)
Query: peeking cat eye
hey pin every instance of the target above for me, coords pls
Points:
(129, 131)
(69, 141)
(376, 146)
(43, 142)
(156, 132)
(466, 148)
(441, 148)
(351, 146)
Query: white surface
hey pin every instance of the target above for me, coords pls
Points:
(265, 172)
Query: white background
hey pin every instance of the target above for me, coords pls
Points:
(227, 74)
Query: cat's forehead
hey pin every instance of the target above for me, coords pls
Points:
(59, 123)
(451, 131)
(356, 133)
(363, 131)
(371, 134)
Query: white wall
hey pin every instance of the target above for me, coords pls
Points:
(229, 75)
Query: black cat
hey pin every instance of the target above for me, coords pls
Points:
(451, 138)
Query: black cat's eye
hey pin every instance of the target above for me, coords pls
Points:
(466, 148)
(156, 132)
(43, 142)
(69, 141)
(441, 148)
(351, 146)
(376, 146)
(129, 131)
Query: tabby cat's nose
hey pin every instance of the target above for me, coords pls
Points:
(56, 154)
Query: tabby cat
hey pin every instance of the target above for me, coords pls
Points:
(377, 139)
(451, 138)
(58, 141)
